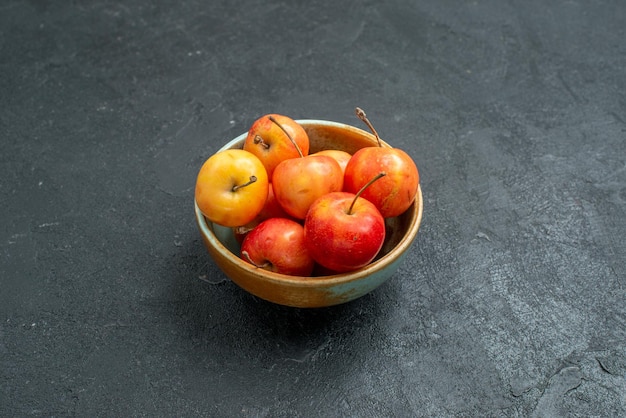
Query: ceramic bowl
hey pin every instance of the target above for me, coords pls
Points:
(320, 291)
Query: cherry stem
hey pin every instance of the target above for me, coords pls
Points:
(378, 176)
(252, 180)
(243, 229)
(249, 260)
(287, 133)
(259, 140)
(361, 115)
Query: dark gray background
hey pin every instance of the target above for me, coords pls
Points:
(512, 302)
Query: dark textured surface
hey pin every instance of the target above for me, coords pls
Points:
(512, 302)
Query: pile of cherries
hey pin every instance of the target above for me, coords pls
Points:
(294, 212)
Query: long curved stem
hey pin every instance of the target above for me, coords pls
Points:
(287, 133)
(361, 115)
(379, 175)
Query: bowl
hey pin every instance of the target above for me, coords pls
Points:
(317, 291)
